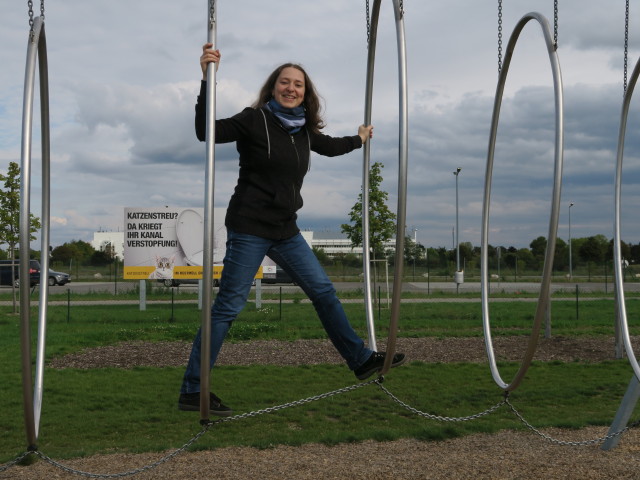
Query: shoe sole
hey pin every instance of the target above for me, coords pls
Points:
(193, 408)
(368, 373)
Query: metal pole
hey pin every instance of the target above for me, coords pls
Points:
(402, 184)
(366, 249)
(570, 260)
(456, 173)
(207, 268)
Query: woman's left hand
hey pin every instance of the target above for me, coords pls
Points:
(365, 132)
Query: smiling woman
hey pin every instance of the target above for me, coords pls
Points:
(275, 138)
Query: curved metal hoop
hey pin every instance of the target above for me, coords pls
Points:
(402, 180)
(543, 300)
(37, 48)
(617, 254)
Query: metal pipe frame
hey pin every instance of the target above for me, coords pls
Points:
(32, 394)
(544, 296)
(402, 181)
(207, 258)
(623, 326)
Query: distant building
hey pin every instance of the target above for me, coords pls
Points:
(337, 243)
(332, 243)
(115, 240)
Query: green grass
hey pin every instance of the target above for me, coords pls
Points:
(134, 410)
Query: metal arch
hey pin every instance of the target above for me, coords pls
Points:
(208, 243)
(32, 392)
(543, 300)
(402, 180)
(617, 254)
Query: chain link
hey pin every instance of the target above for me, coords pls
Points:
(583, 443)
(212, 13)
(206, 427)
(196, 437)
(14, 462)
(626, 46)
(368, 23)
(297, 402)
(438, 417)
(130, 472)
(499, 36)
(555, 24)
(30, 6)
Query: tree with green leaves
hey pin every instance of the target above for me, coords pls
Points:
(382, 223)
(10, 214)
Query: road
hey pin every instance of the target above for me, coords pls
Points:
(418, 287)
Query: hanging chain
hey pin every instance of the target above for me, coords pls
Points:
(368, 23)
(555, 24)
(30, 5)
(212, 13)
(499, 36)
(626, 46)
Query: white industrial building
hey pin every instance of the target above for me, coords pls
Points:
(333, 243)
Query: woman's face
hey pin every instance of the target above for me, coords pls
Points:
(289, 88)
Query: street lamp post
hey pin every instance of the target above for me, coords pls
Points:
(570, 259)
(415, 251)
(458, 274)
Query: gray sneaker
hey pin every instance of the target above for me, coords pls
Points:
(190, 402)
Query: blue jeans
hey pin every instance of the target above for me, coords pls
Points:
(243, 257)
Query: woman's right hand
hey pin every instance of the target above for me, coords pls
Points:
(208, 56)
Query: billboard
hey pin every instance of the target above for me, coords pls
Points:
(167, 243)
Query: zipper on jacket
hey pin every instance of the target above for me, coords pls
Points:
(295, 147)
(293, 187)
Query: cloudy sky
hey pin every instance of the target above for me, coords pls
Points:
(124, 77)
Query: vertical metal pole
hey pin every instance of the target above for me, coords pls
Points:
(456, 173)
(258, 291)
(570, 259)
(207, 269)
(366, 249)
(143, 295)
(402, 185)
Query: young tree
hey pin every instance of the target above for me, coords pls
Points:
(10, 215)
(382, 223)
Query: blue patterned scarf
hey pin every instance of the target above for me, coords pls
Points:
(292, 119)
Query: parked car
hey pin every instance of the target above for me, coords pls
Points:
(174, 282)
(58, 278)
(7, 279)
(280, 277)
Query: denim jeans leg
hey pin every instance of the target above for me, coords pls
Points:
(296, 257)
(243, 256)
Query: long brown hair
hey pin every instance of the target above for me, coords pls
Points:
(311, 102)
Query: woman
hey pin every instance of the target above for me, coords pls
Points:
(274, 138)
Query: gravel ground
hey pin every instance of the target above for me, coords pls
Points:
(504, 455)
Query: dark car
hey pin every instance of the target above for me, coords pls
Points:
(174, 282)
(280, 277)
(58, 278)
(6, 268)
